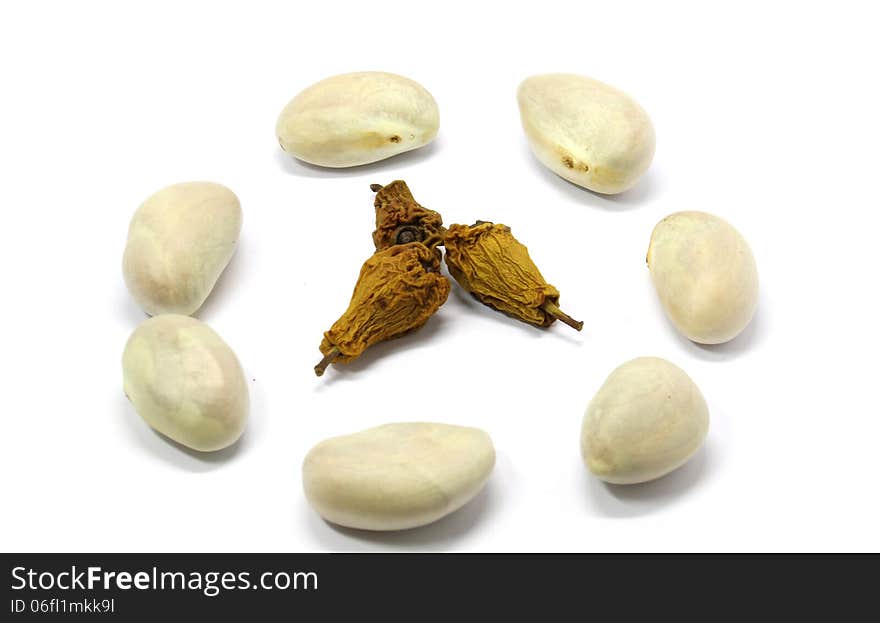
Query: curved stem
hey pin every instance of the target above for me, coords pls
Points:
(376, 187)
(329, 358)
(557, 313)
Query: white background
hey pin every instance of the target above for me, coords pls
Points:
(766, 114)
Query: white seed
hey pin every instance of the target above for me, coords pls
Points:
(647, 419)
(179, 241)
(705, 276)
(586, 131)
(397, 476)
(186, 382)
(357, 118)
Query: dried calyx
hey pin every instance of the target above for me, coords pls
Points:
(401, 220)
(399, 288)
(487, 261)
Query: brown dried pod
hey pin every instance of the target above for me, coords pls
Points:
(496, 268)
(399, 219)
(399, 288)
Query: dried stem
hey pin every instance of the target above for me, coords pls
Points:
(329, 358)
(557, 313)
(376, 187)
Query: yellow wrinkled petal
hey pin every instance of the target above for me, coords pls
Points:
(399, 288)
(496, 268)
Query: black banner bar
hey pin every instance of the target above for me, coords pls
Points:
(261, 587)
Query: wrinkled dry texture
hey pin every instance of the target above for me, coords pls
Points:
(185, 382)
(586, 131)
(399, 288)
(646, 420)
(397, 476)
(357, 118)
(179, 242)
(705, 275)
(496, 268)
(396, 208)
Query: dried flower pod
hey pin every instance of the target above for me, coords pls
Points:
(399, 288)
(487, 261)
(399, 219)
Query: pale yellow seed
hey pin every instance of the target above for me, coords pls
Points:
(185, 382)
(705, 275)
(586, 131)
(397, 476)
(647, 419)
(357, 118)
(179, 242)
